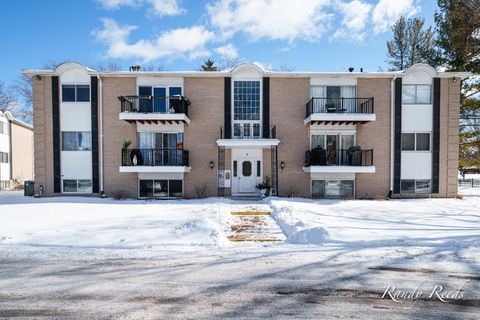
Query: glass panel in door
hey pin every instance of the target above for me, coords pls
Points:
(169, 148)
(331, 148)
(160, 102)
(246, 168)
(145, 144)
(347, 141)
(144, 102)
(333, 99)
(175, 103)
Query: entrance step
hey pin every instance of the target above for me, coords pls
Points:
(254, 213)
(254, 224)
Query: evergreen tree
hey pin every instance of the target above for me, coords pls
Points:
(208, 65)
(458, 38)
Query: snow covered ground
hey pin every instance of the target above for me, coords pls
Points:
(187, 225)
(72, 257)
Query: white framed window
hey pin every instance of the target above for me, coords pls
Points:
(160, 188)
(75, 93)
(333, 189)
(415, 186)
(416, 94)
(419, 141)
(4, 128)
(246, 107)
(77, 185)
(76, 141)
(334, 141)
(4, 157)
(162, 95)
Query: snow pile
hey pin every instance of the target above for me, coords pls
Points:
(297, 231)
(106, 223)
(367, 223)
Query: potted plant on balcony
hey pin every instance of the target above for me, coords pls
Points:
(125, 145)
(264, 187)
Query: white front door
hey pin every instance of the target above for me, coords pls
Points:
(247, 171)
(247, 175)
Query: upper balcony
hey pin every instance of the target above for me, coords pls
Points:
(352, 160)
(248, 135)
(154, 109)
(154, 160)
(339, 110)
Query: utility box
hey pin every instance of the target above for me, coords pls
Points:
(29, 188)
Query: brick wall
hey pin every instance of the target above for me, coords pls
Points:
(115, 130)
(375, 135)
(288, 97)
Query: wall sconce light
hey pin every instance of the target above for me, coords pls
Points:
(211, 164)
(454, 79)
(38, 77)
(282, 165)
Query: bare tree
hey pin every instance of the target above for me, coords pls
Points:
(7, 101)
(111, 66)
(151, 67)
(283, 68)
(23, 89)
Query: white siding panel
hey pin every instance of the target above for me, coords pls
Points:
(333, 176)
(75, 75)
(163, 175)
(75, 116)
(159, 81)
(340, 81)
(76, 164)
(417, 118)
(416, 165)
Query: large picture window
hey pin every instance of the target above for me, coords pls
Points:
(160, 188)
(76, 141)
(416, 94)
(246, 100)
(75, 93)
(246, 109)
(333, 189)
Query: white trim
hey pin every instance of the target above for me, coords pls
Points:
(253, 67)
(153, 169)
(340, 117)
(332, 169)
(247, 143)
(154, 116)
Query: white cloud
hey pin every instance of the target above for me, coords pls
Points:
(271, 19)
(386, 12)
(227, 52)
(160, 7)
(356, 16)
(184, 42)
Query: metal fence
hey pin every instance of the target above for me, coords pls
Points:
(469, 183)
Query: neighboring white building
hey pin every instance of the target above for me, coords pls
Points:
(16, 151)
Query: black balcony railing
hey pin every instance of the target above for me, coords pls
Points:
(154, 104)
(250, 131)
(339, 105)
(340, 157)
(154, 157)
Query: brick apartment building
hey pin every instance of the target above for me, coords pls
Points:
(313, 134)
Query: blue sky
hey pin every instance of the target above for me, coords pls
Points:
(316, 35)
